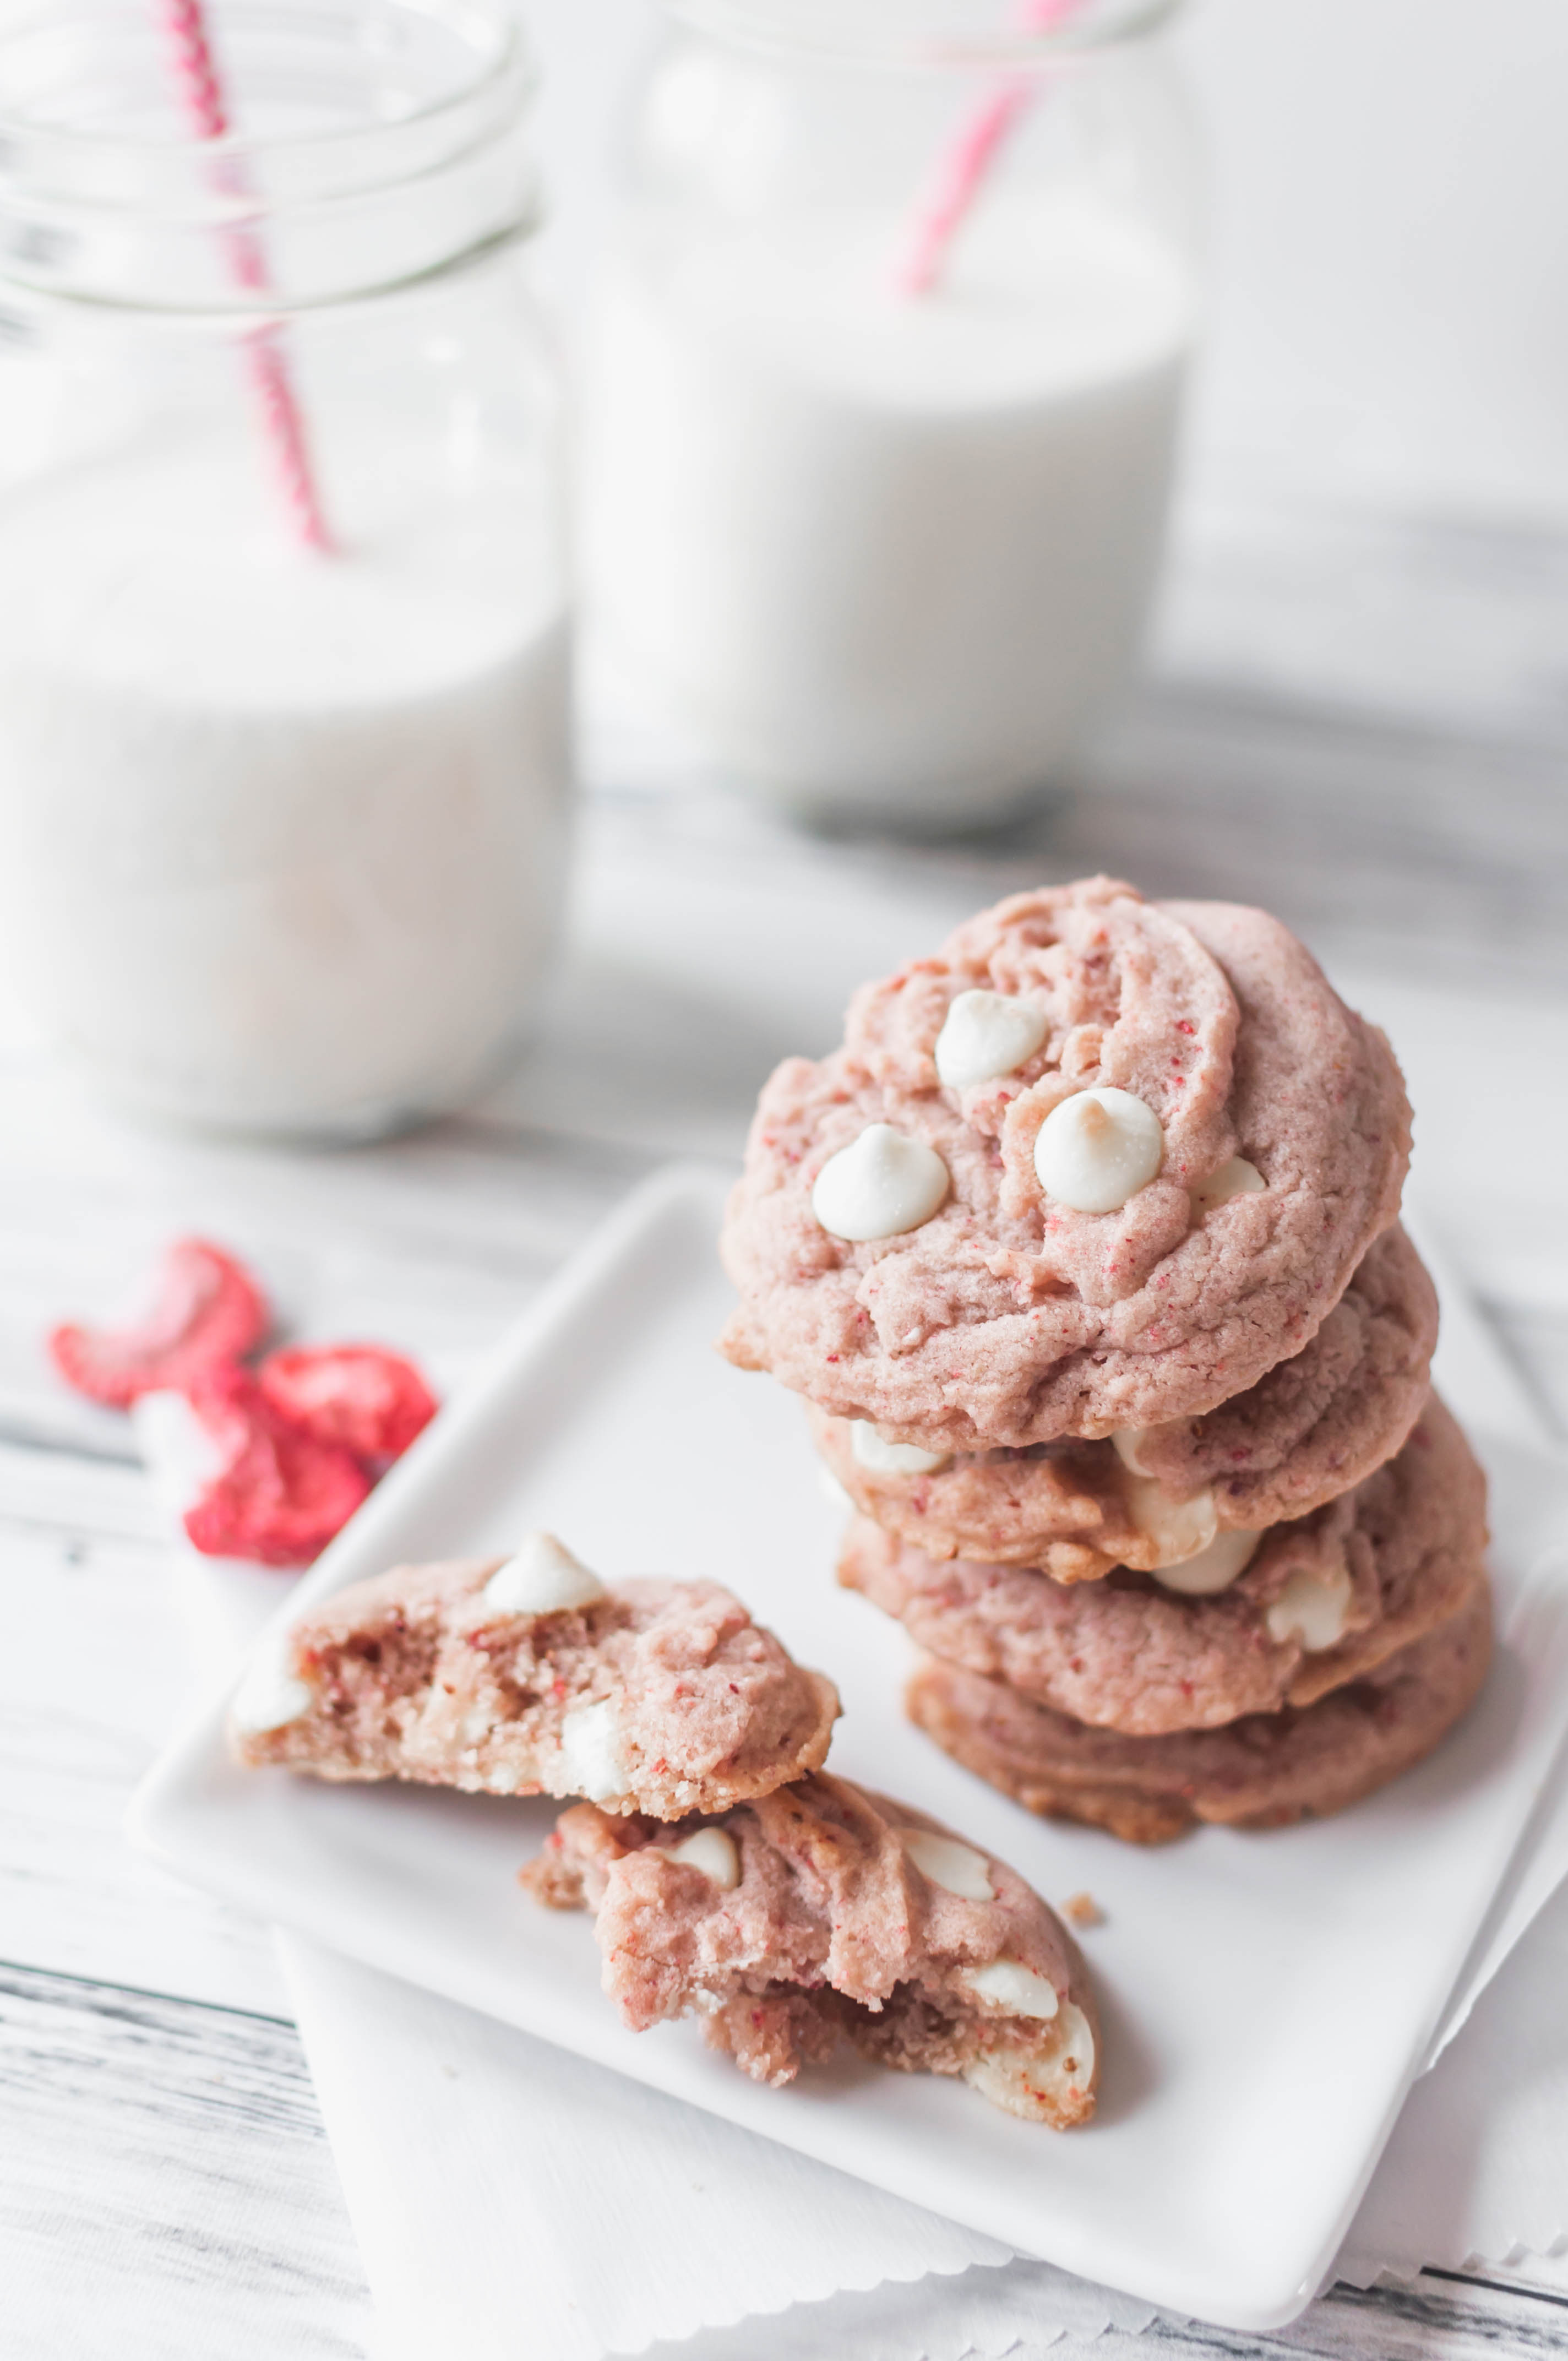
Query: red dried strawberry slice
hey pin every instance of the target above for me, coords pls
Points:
(371, 1402)
(282, 1493)
(209, 1310)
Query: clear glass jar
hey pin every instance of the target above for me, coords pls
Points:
(884, 385)
(284, 617)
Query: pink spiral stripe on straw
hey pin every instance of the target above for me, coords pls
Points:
(967, 161)
(283, 424)
(963, 169)
(193, 68)
(285, 429)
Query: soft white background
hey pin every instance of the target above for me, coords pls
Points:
(1389, 205)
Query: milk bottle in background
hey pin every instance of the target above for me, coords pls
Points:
(281, 827)
(883, 554)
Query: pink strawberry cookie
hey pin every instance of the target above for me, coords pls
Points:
(1101, 1163)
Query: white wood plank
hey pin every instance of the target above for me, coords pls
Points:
(1454, 625)
(1439, 2318)
(1432, 855)
(93, 1667)
(167, 2193)
(433, 1244)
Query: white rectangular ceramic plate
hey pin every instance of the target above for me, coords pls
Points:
(1267, 1999)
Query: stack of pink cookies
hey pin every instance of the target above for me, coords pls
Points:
(1084, 1250)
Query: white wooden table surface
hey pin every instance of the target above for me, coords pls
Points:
(1366, 728)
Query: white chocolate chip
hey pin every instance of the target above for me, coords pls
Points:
(987, 1034)
(1127, 1442)
(1236, 1178)
(1097, 1148)
(714, 1852)
(1075, 2047)
(1213, 1569)
(1193, 1556)
(1017, 2080)
(271, 1695)
(1070, 2063)
(883, 1184)
(542, 1579)
(1179, 1529)
(1311, 1609)
(884, 1459)
(956, 1868)
(1021, 1990)
(591, 1759)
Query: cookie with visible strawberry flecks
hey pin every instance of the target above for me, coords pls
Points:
(1319, 1601)
(1129, 1224)
(1262, 1772)
(824, 1912)
(528, 1675)
(1315, 1425)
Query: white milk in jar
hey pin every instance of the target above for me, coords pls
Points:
(283, 580)
(881, 547)
(876, 552)
(281, 834)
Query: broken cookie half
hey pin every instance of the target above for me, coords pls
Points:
(528, 1675)
(823, 1911)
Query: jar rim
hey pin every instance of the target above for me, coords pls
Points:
(1080, 30)
(379, 139)
(509, 59)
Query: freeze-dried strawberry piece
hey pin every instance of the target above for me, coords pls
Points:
(209, 1310)
(282, 1494)
(371, 1402)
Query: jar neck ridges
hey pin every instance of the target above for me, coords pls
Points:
(932, 34)
(374, 144)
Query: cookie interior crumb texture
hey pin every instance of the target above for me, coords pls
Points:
(661, 1698)
(852, 1918)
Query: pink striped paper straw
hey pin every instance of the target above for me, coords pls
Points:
(282, 421)
(964, 167)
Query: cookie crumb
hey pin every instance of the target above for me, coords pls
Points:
(1083, 1910)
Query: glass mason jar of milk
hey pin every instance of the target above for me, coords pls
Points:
(283, 630)
(885, 376)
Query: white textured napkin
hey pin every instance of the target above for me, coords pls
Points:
(1477, 2168)
(512, 2200)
